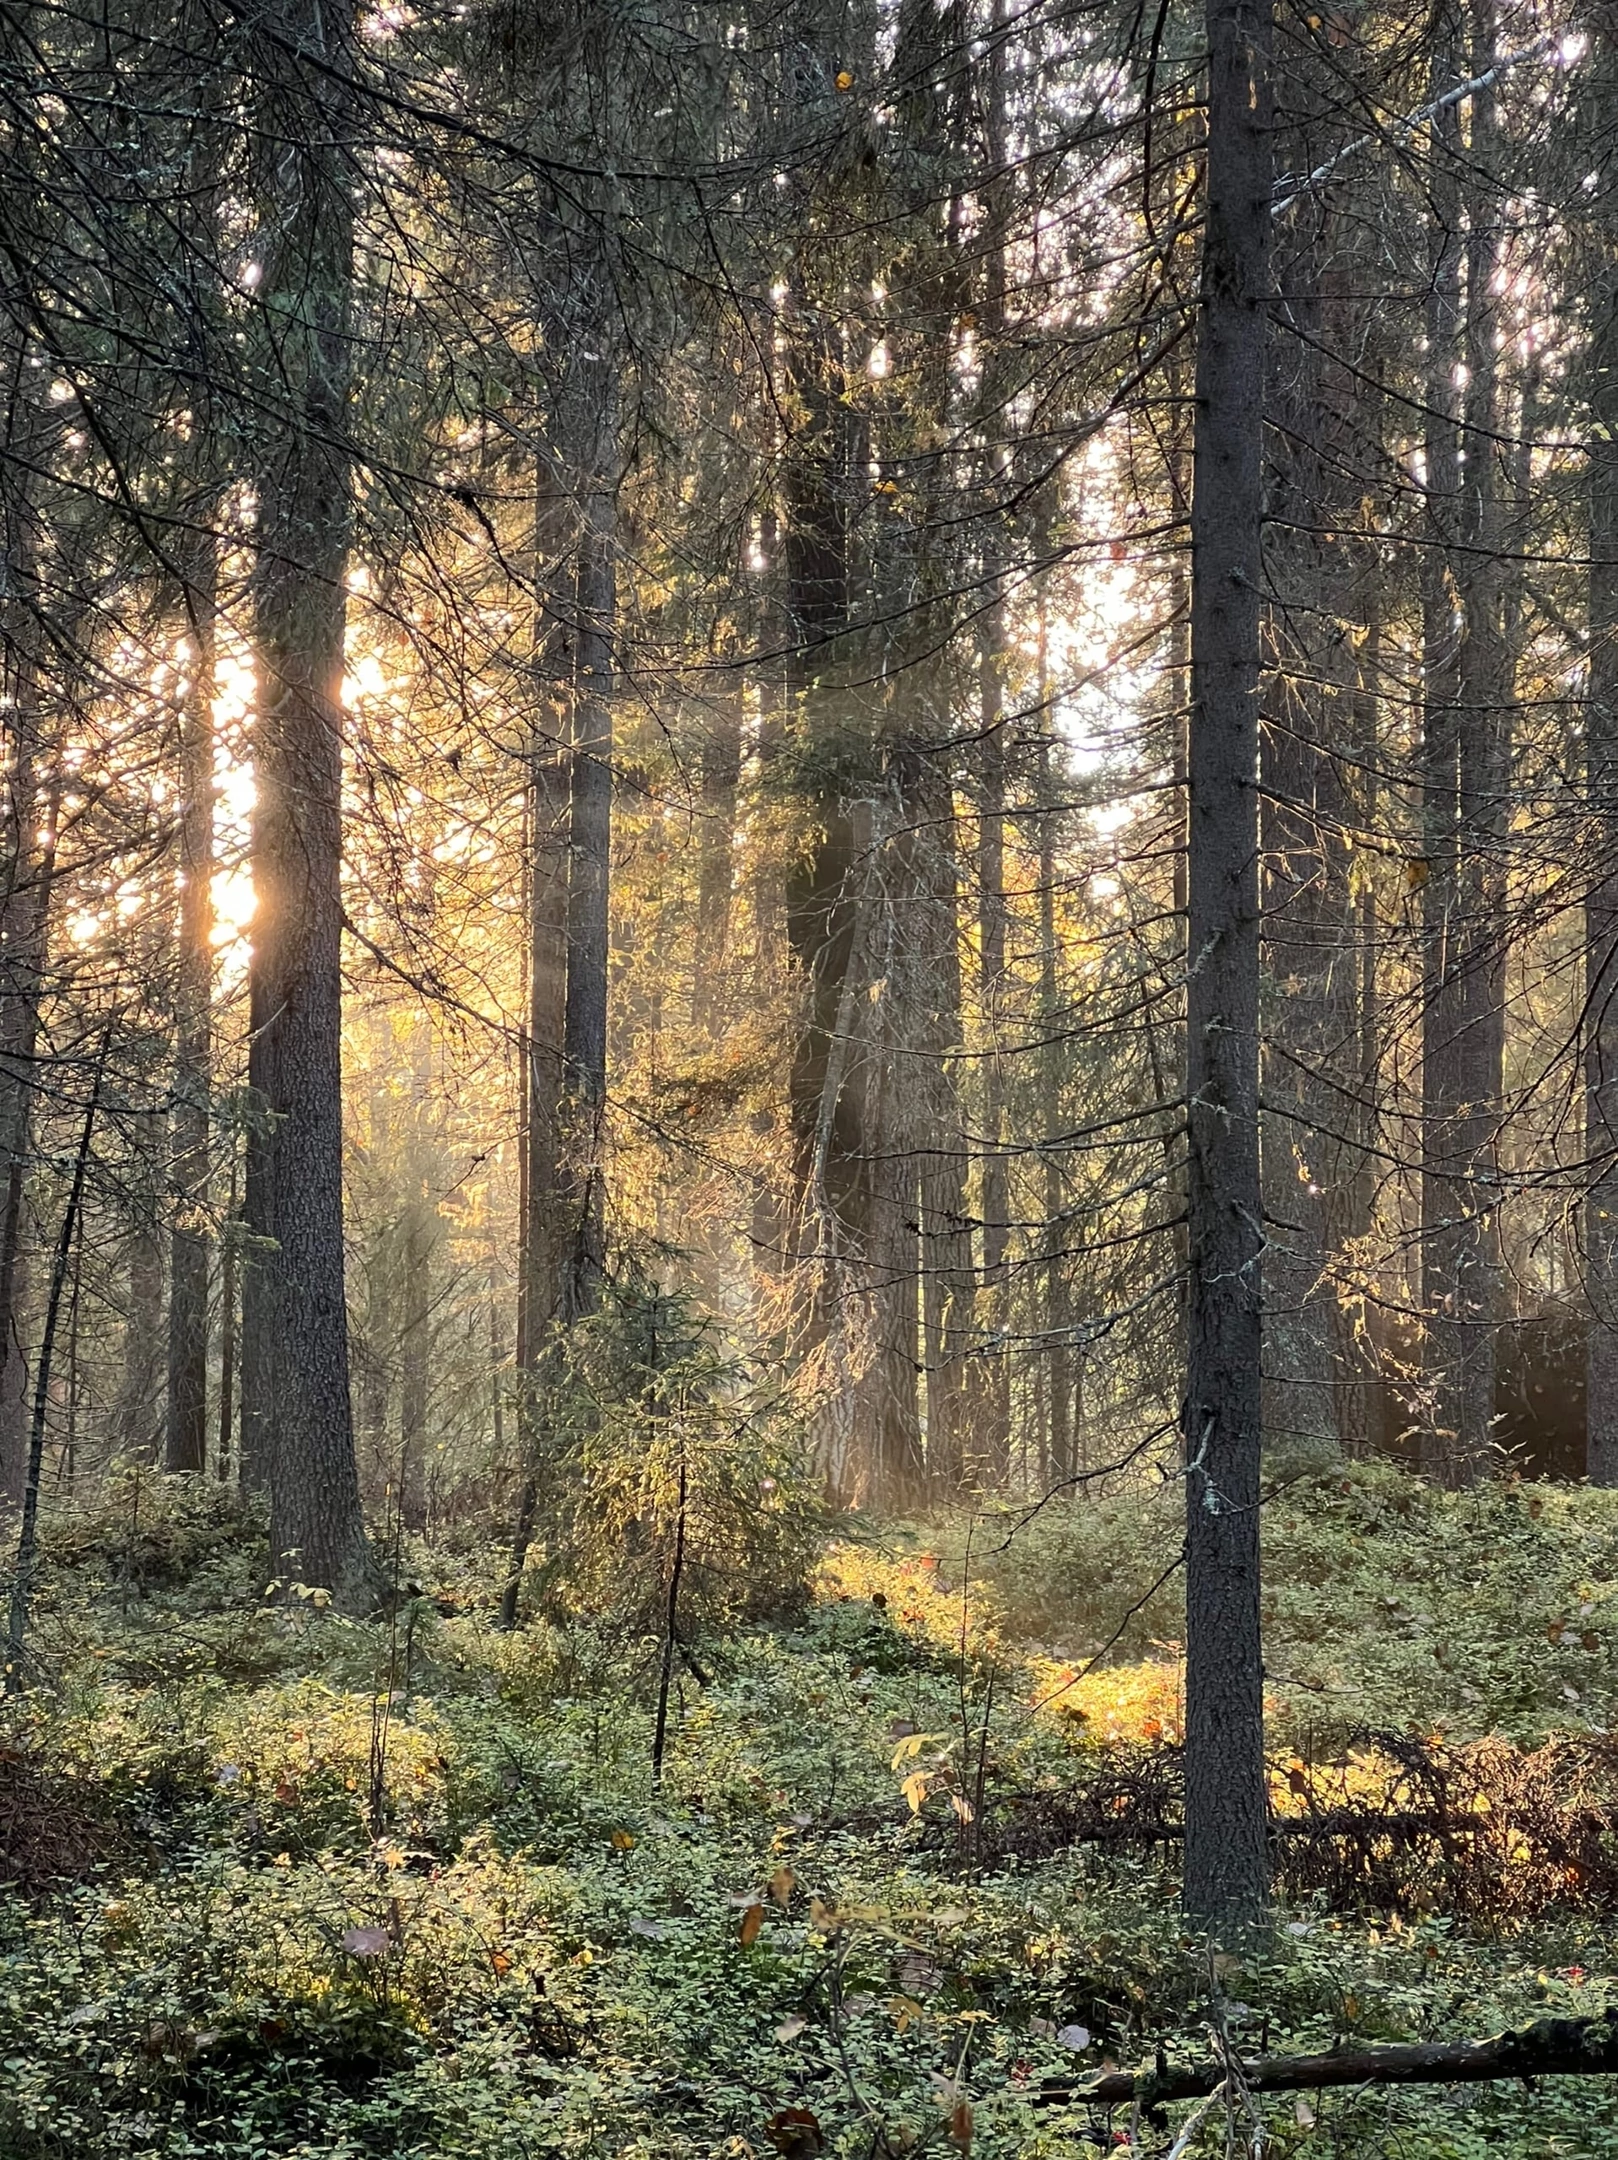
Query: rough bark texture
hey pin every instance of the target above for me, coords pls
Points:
(584, 1026)
(546, 871)
(1601, 790)
(1226, 1859)
(569, 942)
(297, 1421)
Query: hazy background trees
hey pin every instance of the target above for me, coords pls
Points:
(656, 551)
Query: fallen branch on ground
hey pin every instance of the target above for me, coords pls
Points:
(1550, 2047)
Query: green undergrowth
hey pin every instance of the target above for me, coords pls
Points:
(289, 1884)
(1387, 1603)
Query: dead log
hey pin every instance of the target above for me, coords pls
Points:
(1550, 2047)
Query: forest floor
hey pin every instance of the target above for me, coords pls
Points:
(288, 1884)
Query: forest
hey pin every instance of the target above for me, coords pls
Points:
(808, 1079)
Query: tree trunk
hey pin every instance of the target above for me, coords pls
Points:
(297, 1418)
(418, 1249)
(584, 1027)
(1226, 1856)
(186, 1432)
(1064, 1442)
(719, 768)
(569, 926)
(991, 1393)
(828, 901)
(1466, 738)
(1601, 798)
(138, 1416)
(30, 810)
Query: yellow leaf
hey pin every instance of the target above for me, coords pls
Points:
(845, 80)
(782, 1884)
(752, 1921)
(915, 1789)
(912, 1744)
(962, 1806)
(905, 2010)
(621, 1841)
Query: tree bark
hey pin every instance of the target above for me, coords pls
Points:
(1226, 1855)
(297, 1418)
(569, 831)
(584, 1025)
(1601, 796)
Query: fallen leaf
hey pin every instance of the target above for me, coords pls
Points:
(960, 2126)
(622, 1841)
(752, 1921)
(782, 1884)
(789, 2028)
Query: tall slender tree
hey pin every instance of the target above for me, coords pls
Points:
(1226, 1851)
(297, 1421)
